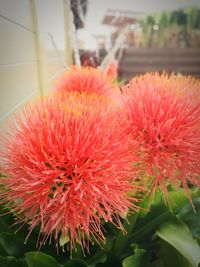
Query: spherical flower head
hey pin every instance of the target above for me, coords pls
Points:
(163, 117)
(88, 80)
(67, 168)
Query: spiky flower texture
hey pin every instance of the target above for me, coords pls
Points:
(86, 79)
(68, 168)
(163, 115)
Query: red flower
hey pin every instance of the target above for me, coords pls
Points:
(112, 70)
(164, 118)
(86, 79)
(68, 167)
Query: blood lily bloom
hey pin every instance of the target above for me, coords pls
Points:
(68, 168)
(163, 115)
(88, 80)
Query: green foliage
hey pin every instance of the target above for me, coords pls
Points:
(8, 242)
(135, 259)
(186, 19)
(171, 257)
(12, 262)
(36, 259)
(191, 217)
(177, 234)
(99, 257)
(193, 15)
(164, 236)
(75, 263)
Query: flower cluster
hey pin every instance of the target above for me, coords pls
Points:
(76, 160)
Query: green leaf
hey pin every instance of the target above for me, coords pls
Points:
(134, 260)
(99, 257)
(177, 199)
(158, 263)
(123, 238)
(39, 259)
(147, 223)
(5, 221)
(172, 257)
(75, 263)
(63, 240)
(191, 218)
(11, 262)
(10, 244)
(176, 233)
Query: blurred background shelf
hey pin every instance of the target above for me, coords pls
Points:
(136, 61)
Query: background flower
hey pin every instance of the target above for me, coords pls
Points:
(68, 168)
(86, 79)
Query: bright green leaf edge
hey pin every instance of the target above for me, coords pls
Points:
(177, 234)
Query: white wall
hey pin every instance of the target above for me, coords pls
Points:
(33, 50)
